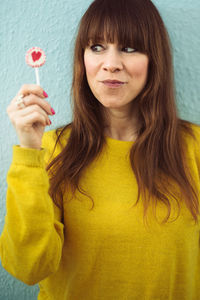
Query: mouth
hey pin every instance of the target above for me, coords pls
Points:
(113, 83)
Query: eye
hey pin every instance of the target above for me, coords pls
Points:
(128, 49)
(96, 48)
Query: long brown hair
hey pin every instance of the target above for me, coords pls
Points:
(158, 153)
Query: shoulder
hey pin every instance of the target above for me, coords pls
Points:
(196, 134)
(196, 130)
(193, 141)
(52, 145)
(196, 143)
(189, 130)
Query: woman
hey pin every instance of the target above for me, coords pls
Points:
(79, 198)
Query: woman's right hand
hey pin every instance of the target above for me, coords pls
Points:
(30, 121)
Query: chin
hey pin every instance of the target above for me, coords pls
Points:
(111, 105)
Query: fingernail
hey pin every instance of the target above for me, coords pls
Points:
(53, 111)
(45, 94)
(50, 122)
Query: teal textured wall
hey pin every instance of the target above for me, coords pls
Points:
(51, 25)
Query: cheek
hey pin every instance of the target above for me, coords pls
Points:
(140, 69)
(90, 66)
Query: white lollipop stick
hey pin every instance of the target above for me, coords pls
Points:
(35, 58)
(37, 76)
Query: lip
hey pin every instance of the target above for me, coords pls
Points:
(113, 83)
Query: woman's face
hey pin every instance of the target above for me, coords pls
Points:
(115, 74)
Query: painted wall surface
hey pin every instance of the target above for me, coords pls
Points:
(51, 25)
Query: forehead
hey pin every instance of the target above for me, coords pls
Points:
(116, 41)
(108, 31)
(108, 36)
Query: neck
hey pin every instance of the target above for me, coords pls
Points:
(121, 125)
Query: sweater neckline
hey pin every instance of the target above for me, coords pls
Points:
(118, 144)
(111, 140)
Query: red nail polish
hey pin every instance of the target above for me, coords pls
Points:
(45, 94)
(53, 111)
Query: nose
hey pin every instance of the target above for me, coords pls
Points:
(112, 61)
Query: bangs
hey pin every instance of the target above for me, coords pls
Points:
(114, 22)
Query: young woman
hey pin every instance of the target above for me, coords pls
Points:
(107, 207)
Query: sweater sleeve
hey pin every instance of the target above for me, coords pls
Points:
(32, 238)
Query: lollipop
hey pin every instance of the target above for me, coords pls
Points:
(35, 58)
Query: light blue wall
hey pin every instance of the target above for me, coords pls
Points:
(51, 25)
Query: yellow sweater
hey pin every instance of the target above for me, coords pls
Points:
(102, 254)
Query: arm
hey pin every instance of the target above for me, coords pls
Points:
(32, 238)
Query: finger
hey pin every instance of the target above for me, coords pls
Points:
(28, 110)
(32, 108)
(28, 121)
(35, 89)
(33, 99)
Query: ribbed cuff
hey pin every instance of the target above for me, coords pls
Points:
(28, 156)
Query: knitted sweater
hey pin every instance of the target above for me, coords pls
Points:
(104, 253)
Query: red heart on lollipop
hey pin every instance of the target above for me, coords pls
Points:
(35, 58)
(36, 55)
